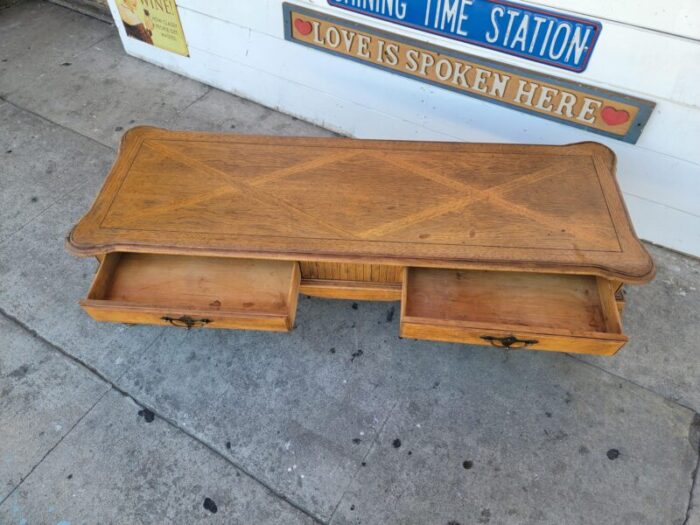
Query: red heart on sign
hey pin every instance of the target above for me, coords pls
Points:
(614, 117)
(303, 26)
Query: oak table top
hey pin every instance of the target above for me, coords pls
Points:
(423, 204)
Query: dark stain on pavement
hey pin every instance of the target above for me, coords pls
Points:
(355, 354)
(555, 436)
(396, 443)
(694, 433)
(390, 315)
(613, 454)
(147, 415)
(19, 373)
(210, 505)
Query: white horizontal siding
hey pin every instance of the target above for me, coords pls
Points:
(676, 17)
(665, 225)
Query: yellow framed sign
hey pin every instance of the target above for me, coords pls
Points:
(155, 22)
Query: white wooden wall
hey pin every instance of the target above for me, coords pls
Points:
(649, 49)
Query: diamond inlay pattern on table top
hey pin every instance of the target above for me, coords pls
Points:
(157, 184)
(399, 196)
(582, 205)
(461, 205)
(478, 170)
(517, 212)
(484, 223)
(216, 215)
(246, 162)
(376, 191)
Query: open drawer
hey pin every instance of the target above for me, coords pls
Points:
(568, 313)
(194, 291)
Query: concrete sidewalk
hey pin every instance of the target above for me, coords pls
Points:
(113, 424)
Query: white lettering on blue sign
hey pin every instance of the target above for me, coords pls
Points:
(536, 34)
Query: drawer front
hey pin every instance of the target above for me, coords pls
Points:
(188, 320)
(576, 314)
(195, 292)
(510, 339)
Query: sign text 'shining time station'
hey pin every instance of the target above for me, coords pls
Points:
(535, 34)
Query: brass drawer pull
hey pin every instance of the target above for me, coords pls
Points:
(509, 341)
(186, 322)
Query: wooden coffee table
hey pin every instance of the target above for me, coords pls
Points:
(504, 245)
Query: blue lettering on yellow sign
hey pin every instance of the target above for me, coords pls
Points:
(535, 34)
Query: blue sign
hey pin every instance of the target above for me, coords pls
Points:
(535, 34)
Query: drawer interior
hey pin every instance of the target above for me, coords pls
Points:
(549, 303)
(178, 283)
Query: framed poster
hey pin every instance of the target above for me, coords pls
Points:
(155, 22)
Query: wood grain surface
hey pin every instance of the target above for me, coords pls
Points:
(211, 292)
(575, 313)
(463, 206)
